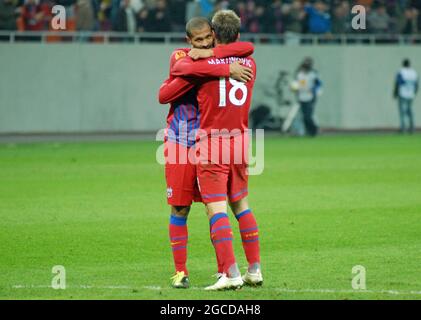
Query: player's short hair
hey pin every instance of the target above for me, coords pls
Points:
(406, 63)
(196, 23)
(226, 25)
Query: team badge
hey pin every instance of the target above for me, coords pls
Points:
(180, 54)
(169, 192)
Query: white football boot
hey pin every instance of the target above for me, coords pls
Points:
(225, 283)
(253, 279)
(218, 275)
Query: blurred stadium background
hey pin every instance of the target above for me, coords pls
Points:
(99, 209)
(98, 79)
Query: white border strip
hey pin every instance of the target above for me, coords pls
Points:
(283, 290)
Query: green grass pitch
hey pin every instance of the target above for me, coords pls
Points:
(323, 206)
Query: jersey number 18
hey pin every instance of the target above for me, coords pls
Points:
(236, 85)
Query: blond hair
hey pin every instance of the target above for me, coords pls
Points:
(226, 25)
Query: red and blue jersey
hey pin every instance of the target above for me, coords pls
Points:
(184, 118)
(224, 103)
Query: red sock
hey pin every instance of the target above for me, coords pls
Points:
(178, 239)
(218, 259)
(249, 236)
(221, 236)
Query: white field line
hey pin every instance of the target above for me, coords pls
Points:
(391, 292)
(282, 290)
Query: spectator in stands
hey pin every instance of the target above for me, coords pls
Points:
(410, 21)
(206, 7)
(149, 3)
(160, 17)
(115, 8)
(136, 5)
(379, 20)
(258, 16)
(251, 21)
(85, 19)
(294, 15)
(273, 18)
(126, 18)
(255, 18)
(318, 17)
(104, 15)
(178, 12)
(417, 5)
(224, 5)
(241, 10)
(144, 23)
(341, 18)
(406, 88)
(36, 15)
(8, 15)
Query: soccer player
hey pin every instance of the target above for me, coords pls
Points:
(182, 121)
(224, 105)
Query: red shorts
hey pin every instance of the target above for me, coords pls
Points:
(181, 178)
(223, 176)
(219, 181)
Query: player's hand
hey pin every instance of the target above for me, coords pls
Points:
(196, 54)
(240, 72)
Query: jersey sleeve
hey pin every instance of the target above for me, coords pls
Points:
(234, 49)
(187, 67)
(177, 55)
(172, 89)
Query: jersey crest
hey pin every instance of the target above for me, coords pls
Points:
(179, 55)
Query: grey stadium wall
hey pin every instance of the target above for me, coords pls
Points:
(53, 88)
